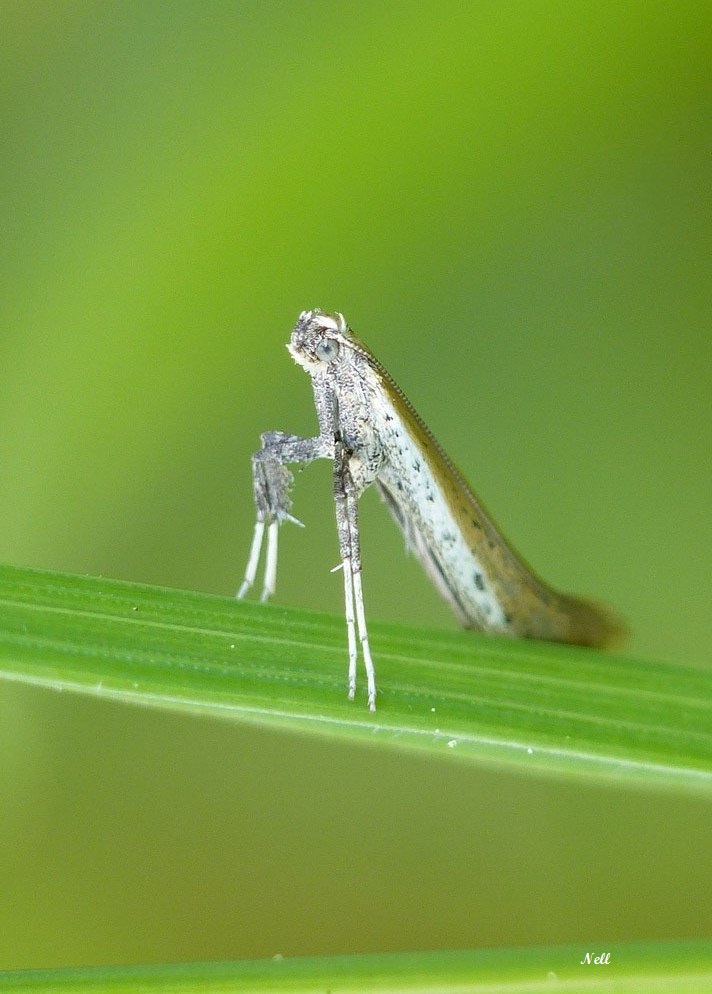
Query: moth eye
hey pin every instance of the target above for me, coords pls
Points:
(327, 350)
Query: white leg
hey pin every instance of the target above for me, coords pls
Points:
(350, 626)
(252, 562)
(363, 636)
(271, 564)
(346, 500)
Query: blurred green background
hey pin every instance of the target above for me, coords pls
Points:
(510, 204)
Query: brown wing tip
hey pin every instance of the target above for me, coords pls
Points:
(595, 624)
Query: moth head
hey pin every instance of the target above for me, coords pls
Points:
(318, 339)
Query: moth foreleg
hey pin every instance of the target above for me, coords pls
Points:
(272, 481)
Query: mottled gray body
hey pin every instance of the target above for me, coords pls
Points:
(372, 434)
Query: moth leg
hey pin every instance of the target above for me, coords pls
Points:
(365, 644)
(350, 624)
(272, 482)
(270, 581)
(253, 560)
(344, 533)
(352, 509)
(346, 499)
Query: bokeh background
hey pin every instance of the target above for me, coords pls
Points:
(511, 205)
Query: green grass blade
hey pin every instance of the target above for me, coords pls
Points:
(456, 694)
(682, 968)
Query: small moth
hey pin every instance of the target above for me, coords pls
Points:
(372, 434)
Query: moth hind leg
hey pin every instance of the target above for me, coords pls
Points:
(365, 644)
(350, 625)
(346, 499)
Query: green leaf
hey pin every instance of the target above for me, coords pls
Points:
(541, 707)
(683, 967)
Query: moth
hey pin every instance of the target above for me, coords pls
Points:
(372, 435)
